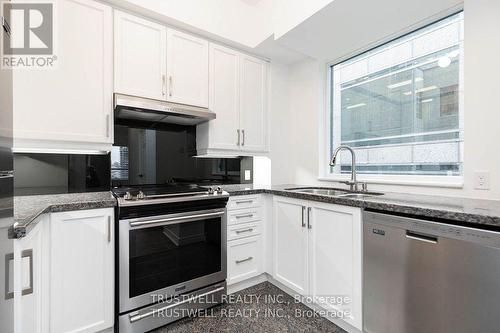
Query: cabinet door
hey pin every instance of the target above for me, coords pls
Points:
(140, 57)
(335, 258)
(290, 244)
(222, 132)
(187, 69)
(253, 104)
(31, 280)
(82, 274)
(73, 101)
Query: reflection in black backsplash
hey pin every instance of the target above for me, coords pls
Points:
(60, 173)
(145, 155)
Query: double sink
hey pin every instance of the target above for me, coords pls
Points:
(334, 192)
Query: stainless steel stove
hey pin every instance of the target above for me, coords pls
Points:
(171, 253)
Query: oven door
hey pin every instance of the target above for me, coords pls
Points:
(169, 255)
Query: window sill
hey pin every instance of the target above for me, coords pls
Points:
(423, 181)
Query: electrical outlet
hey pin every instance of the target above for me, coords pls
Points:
(481, 180)
(248, 175)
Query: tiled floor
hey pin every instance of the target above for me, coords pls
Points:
(265, 308)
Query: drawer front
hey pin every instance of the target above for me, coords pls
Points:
(244, 259)
(244, 216)
(238, 231)
(244, 201)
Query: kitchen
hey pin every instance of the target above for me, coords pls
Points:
(249, 165)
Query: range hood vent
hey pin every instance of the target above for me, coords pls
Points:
(156, 111)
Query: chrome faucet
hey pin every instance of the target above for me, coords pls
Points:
(353, 183)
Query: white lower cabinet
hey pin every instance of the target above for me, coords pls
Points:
(65, 273)
(317, 253)
(30, 280)
(82, 271)
(335, 259)
(244, 238)
(244, 259)
(290, 244)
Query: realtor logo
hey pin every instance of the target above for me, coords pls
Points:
(30, 44)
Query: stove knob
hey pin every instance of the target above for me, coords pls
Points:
(210, 190)
(219, 190)
(127, 196)
(140, 195)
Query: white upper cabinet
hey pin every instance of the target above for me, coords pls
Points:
(154, 61)
(82, 271)
(253, 103)
(187, 69)
(71, 103)
(140, 57)
(222, 132)
(238, 96)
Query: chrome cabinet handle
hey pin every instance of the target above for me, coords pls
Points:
(243, 260)
(238, 142)
(245, 230)
(170, 85)
(303, 220)
(8, 258)
(243, 134)
(6, 26)
(245, 201)
(309, 225)
(163, 83)
(133, 317)
(243, 216)
(107, 126)
(109, 229)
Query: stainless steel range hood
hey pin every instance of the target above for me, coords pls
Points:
(156, 111)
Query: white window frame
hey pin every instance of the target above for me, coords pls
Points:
(324, 127)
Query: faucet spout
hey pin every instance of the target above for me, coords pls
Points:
(353, 183)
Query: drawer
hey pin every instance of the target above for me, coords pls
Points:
(244, 201)
(244, 216)
(243, 230)
(244, 259)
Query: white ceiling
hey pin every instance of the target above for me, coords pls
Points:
(344, 27)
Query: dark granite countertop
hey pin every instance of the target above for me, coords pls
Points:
(464, 211)
(28, 208)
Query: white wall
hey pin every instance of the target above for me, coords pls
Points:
(482, 114)
(279, 123)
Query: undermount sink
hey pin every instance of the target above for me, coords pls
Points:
(357, 195)
(334, 192)
(320, 191)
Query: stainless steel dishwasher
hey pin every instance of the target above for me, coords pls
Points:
(421, 276)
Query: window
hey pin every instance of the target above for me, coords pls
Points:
(399, 106)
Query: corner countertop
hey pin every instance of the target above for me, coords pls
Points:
(455, 210)
(28, 208)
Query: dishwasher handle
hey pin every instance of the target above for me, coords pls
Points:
(421, 237)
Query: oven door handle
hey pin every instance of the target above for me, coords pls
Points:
(135, 317)
(175, 218)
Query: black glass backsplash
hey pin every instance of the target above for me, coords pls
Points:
(164, 153)
(60, 173)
